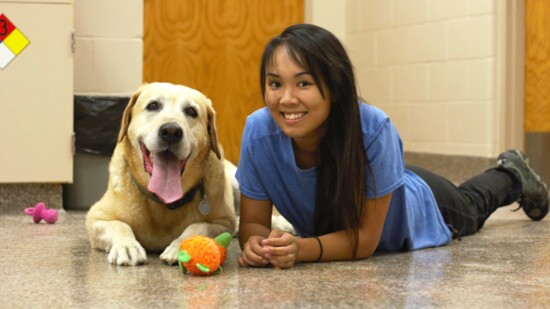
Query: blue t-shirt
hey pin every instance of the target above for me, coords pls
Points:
(267, 170)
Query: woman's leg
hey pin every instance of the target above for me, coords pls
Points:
(466, 207)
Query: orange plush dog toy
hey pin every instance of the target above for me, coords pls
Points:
(203, 256)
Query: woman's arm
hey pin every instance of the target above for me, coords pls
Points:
(336, 246)
(254, 226)
(255, 219)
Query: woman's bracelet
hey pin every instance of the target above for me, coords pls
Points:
(320, 248)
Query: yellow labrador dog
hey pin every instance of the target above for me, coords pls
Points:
(167, 178)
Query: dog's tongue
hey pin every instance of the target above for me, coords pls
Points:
(166, 177)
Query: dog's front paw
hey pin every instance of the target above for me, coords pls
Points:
(170, 254)
(131, 253)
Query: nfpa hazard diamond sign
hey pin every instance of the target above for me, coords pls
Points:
(12, 41)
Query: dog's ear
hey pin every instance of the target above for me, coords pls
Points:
(211, 126)
(127, 115)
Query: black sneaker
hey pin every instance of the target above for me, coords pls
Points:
(534, 192)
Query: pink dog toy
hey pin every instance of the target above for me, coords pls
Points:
(40, 212)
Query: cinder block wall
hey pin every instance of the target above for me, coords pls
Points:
(109, 47)
(108, 63)
(430, 64)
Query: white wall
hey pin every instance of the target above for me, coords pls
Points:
(109, 46)
(435, 66)
(328, 14)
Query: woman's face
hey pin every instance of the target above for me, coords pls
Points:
(294, 99)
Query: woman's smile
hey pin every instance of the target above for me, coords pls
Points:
(293, 116)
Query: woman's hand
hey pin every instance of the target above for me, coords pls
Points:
(253, 253)
(281, 249)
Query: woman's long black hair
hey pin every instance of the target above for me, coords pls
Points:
(341, 184)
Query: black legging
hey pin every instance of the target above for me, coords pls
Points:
(466, 208)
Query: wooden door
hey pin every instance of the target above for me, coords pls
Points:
(537, 66)
(215, 46)
(537, 85)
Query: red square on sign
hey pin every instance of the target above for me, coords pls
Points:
(6, 27)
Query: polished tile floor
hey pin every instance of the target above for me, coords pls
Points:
(507, 265)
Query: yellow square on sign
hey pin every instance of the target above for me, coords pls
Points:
(16, 41)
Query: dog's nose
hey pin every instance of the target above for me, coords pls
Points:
(171, 133)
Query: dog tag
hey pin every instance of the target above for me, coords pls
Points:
(204, 208)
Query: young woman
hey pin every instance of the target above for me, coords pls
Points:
(333, 167)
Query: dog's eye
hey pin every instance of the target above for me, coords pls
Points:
(191, 112)
(153, 106)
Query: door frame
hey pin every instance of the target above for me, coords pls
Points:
(510, 75)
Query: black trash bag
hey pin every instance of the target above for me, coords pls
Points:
(97, 122)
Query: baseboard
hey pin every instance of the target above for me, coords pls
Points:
(537, 148)
(14, 198)
(455, 168)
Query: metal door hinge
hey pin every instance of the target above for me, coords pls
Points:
(73, 143)
(73, 41)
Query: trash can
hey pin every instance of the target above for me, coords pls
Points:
(96, 125)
